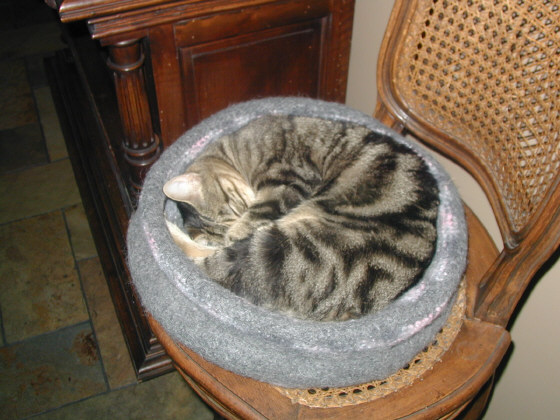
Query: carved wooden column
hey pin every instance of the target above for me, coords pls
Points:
(141, 145)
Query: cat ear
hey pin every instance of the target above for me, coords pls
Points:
(186, 188)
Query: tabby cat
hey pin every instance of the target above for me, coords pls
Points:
(320, 219)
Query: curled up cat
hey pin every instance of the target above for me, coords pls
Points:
(323, 220)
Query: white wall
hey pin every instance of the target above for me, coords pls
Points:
(529, 387)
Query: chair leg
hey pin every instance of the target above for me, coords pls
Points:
(475, 408)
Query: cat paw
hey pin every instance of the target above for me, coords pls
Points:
(242, 230)
(237, 232)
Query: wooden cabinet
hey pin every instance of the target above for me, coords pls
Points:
(147, 70)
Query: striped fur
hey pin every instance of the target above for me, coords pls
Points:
(323, 220)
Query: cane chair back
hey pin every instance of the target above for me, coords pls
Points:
(479, 80)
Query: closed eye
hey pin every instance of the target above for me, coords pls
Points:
(235, 210)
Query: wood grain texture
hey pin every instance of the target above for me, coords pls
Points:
(140, 144)
(271, 48)
(253, 58)
(73, 10)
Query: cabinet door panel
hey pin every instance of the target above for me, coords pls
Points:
(282, 61)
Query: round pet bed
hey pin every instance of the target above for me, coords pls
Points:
(269, 346)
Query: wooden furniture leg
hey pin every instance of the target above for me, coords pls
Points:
(141, 145)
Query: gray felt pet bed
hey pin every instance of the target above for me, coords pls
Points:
(268, 346)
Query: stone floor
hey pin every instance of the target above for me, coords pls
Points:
(62, 354)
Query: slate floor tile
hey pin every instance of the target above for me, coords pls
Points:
(16, 101)
(164, 398)
(6, 17)
(31, 40)
(48, 371)
(51, 127)
(22, 147)
(36, 70)
(80, 234)
(114, 352)
(39, 288)
(37, 191)
(2, 338)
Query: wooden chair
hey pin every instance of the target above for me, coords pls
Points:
(478, 80)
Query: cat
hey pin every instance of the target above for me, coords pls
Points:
(322, 220)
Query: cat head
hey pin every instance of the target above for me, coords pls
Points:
(215, 191)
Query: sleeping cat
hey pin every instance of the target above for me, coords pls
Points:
(320, 219)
